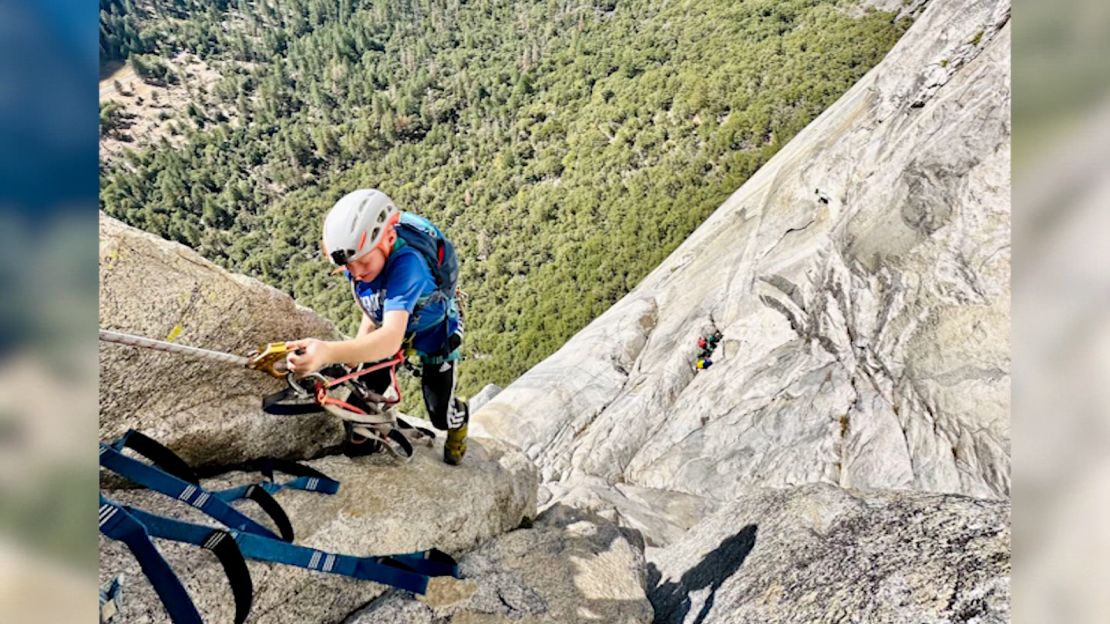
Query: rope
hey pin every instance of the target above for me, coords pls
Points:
(169, 347)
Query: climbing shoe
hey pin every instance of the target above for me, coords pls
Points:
(455, 447)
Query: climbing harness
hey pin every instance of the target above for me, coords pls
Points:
(365, 413)
(169, 474)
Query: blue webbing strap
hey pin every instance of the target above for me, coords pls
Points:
(119, 522)
(158, 454)
(121, 526)
(433, 562)
(170, 463)
(160, 481)
(307, 479)
(323, 483)
(409, 571)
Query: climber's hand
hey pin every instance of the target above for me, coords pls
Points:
(308, 355)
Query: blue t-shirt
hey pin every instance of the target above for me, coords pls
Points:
(406, 283)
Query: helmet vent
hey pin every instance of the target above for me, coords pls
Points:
(381, 216)
(374, 235)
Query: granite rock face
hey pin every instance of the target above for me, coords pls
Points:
(209, 412)
(818, 553)
(382, 507)
(570, 567)
(861, 283)
(660, 515)
(484, 396)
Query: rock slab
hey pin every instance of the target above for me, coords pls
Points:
(570, 567)
(817, 553)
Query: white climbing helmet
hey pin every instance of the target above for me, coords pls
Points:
(356, 224)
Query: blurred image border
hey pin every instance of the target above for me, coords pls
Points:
(48, 310)
(1061, 310)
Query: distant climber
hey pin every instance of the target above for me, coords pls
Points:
(402, 272)
(706, 346)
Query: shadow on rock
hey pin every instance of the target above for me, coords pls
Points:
(672, 600)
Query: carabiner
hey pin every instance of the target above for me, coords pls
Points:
(302, 392)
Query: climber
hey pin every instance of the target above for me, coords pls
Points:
(402, 272)
(703, 363)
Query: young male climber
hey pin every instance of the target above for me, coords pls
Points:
(402, 271)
